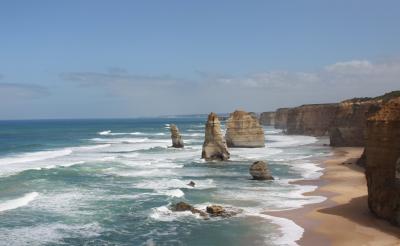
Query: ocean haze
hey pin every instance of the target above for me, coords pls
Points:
(100, 59)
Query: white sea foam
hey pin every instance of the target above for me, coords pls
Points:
(163, 213)
(18, 202)
(290, 231)
(279, 141)
(119, 140)
(105, 132)
(173, 193)
(34, 156)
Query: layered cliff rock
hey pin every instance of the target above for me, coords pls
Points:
(311, 119)
(244, 131)
(382, 153)
(267, 118)
(214, 146)
(281, 115)
(351, 120)
(176, 138)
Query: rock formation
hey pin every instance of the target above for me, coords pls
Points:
(177, 141)
(214, 146)
(267, 118)
(183, 206)
(244, 131)
(281, 118)
(350, 122)
(311, 119)
(219, 211)
(382, 159)
(259, 171)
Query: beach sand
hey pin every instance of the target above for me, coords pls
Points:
(344, 218)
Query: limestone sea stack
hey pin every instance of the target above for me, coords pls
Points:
(382, 153)
(259, 171)
(214, 147)
(267, 118)
(177, 141)
(244, 131)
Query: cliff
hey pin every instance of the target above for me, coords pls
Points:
(244, 131)
(349, 127)
(281, 115)
(214, 146)
(311, 119)
(267, 118)
(382, 154)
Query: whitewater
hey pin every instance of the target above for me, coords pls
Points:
(113, 182)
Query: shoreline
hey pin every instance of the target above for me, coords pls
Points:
(343, 218)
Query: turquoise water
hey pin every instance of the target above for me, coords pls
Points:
(111, 182)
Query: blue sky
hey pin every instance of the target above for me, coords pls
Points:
(90, 59)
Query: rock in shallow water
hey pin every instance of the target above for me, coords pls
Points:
(177, 141)
(183, 206)
(214, 146)
(244, 131)
(259, 170)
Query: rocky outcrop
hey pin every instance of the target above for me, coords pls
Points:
(244, 131)
(311, 119)
(214, 146)
(350, 122)
(281, 115)
(267, 118)
(177, 141)
(183, 206)
(382, 153)
(259, 171)
(219, 211)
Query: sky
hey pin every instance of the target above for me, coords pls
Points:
(125, 59)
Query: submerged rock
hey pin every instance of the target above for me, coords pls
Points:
(259, 170)
(191, 183)
(177, 141)
(183, 206)
(219, 211)
(214, 146)
(244, 131)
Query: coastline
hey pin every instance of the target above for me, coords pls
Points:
(343, 218)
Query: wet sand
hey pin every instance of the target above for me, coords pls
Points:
(344, 218)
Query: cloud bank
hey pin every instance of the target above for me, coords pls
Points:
(261, 91)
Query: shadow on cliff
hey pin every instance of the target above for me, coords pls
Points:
(357, 210)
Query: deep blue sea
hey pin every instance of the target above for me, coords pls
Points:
(111, 182)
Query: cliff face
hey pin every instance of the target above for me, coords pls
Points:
(244, 131)
(351, 121)
(313, 119)
(281, 118)
(382, 153)
(267, 118)
(214, 146)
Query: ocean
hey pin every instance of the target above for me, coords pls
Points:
(112, 182)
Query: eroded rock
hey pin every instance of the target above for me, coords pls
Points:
(259, 171)
(214, 146)
(244, 131)
(382, 152)
(176, 138)
(183, 206)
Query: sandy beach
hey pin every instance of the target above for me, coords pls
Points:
(344, 218)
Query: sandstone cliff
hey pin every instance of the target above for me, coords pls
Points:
(176, 138)
(311, 119)
(214, 146)
(244, 131)
(267, 118)
(281, 118)
(382, 153)
(350, 122)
